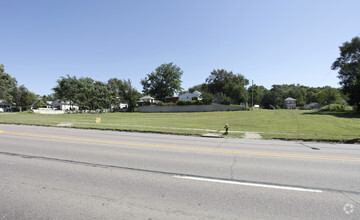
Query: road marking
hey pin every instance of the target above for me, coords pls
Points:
(198, 149)
(249, 184)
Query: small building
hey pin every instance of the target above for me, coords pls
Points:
(290, 103)
(49, 104)
(146, 100)
(5, 106)
(64, 105)
(190, 96)
(171, 99)
(313, 105)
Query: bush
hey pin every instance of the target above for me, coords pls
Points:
(339, 108)
(189, 102)
(224, 100)
(161, 104)
(336, 108)
(180, 102)
(207, 98)
(199, 102)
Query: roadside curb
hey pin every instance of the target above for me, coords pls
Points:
(212, 135)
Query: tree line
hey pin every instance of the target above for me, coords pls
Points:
(221, 86)
(13, 93)
(89, 94)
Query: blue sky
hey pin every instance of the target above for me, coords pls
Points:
(269, 41)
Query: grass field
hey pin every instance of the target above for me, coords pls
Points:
(280, 124)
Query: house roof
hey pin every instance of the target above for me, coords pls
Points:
(290, 99)
(4, 102)
(312, 104)
(197, 92)
(146, 97)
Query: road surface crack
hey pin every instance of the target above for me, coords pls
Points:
(347, 196)
(83, 163)
(312, 148)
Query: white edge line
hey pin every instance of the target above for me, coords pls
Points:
(248, 184)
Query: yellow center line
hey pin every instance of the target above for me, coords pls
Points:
(302, 156)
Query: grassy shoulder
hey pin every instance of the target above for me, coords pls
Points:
(279, 124)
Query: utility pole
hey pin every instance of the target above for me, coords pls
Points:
(252, 93)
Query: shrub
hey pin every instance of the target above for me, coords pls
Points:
(207, 98)
(190, 102)
(224, 100)
(199, 102)
(336, 108)
(339, 108)
(180, 102)
(160, 104)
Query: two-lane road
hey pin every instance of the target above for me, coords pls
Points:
(60, 173)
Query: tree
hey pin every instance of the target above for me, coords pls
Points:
(258, 94)
(124, 92)
(201, 88)
(93, 94)
(207, 98)
(165, 81)
(348, 65)
(67, 89)
(328, 95)
(7, 85)
(235, 89)
(131, 96)
(217, 81)
(224, 100)
(229, 84)
(23, 97)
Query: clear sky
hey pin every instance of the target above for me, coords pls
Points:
(268, 41)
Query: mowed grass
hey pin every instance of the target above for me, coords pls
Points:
(281, 124)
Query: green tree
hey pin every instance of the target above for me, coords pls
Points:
(23, 97)
(235, 89)
(348, 65)
(229, 84)
(131, 96)
(165, 81)
(7, 85)
(258, 94)
(41, 104)
(123, 91)
(67, 89)
(207, 98)
(201, 88)
(85, 93)
(328, 95)
(217, 81)
(224, 100)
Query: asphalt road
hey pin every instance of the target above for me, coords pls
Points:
(61, 173)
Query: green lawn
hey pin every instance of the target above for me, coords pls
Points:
(282, 124)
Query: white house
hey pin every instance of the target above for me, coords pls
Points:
(64, 105)
(290, 103)
(146, 100)
(189, 96)
(5, 105)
